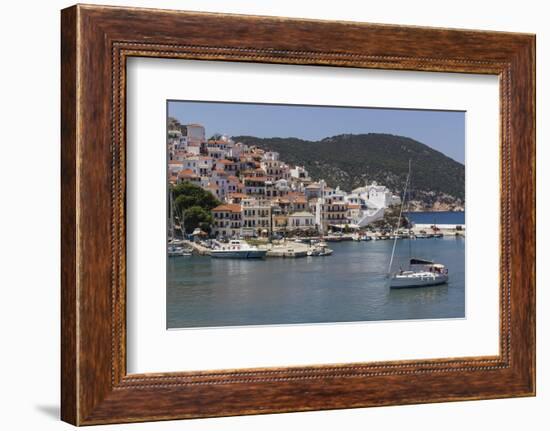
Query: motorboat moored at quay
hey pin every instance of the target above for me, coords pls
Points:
(176, 251)
(360, 237)
(237, 249)
(319, 249)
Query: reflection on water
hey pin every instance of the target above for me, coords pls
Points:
(348, 286)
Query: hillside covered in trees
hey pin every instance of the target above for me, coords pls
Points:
(351, 160)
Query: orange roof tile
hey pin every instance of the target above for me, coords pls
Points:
(234, 208)
(186, 173)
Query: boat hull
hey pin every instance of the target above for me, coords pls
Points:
(238, 254)
(397, 282)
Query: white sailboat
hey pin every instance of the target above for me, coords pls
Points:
(421, 272)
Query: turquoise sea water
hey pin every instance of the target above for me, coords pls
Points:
(349, 286)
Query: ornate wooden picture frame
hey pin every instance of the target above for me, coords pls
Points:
(96, 41)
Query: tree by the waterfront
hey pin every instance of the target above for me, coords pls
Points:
(187, 195)
(195, 204)
(197, 217)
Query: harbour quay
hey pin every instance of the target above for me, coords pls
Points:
(445, 229)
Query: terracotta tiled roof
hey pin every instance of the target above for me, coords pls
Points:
(234, 208)
(187, 173)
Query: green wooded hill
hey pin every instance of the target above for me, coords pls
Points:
(350, 160)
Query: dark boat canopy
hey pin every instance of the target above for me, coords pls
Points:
(416, 261)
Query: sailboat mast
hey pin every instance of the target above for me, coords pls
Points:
(408, 215)
(171, 216)
(399, 218)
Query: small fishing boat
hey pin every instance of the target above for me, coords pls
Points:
(319, 249)
(421, 272)
(176, 251)
(237, 249)
(358, 237)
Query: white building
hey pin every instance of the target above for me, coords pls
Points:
(227, 220)
(331, 212)
(193, 149)
(191, 163)
(299, 173)
(205, 165)
(195, 134)
(182, 143)
(220, 180)
(372, 200)
(236, 150)
(270, 156)
(174, 166)
(313, 191)
(302, 220)
(174, 135)
(216, 153)
(256, 217)
(275, 169)
(377, 195)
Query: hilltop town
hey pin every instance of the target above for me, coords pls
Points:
(258, 194)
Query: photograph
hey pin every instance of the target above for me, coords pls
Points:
(282, 214)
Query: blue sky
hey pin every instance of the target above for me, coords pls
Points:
(442, 130)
